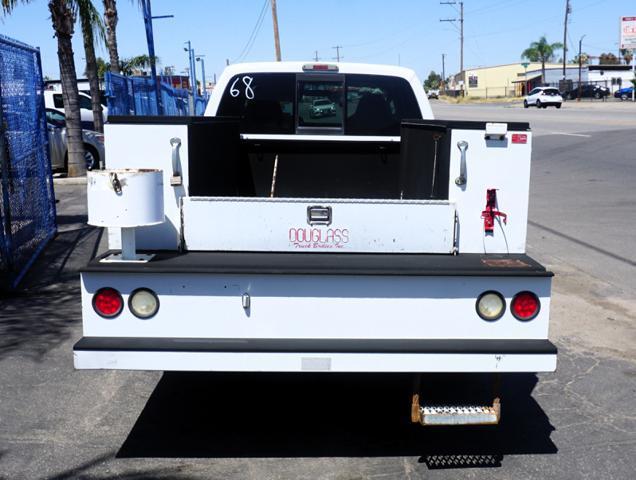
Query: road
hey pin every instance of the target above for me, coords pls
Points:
(57, 423)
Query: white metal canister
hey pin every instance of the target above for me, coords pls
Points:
(125, 197)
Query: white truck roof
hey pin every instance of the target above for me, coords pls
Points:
(343, 68)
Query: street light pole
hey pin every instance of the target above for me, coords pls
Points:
(200, 59)
(193, 73)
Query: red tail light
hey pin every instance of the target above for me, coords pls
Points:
(107, 302)
(525, 306)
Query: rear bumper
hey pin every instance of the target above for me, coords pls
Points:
(315, 355)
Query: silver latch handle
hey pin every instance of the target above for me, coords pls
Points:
(175, 180)
(461, 180)
(114, 181)
(317, 215)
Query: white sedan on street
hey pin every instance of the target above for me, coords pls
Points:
(543, 97)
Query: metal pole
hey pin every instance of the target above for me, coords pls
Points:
(194, 73)
(443, 73)
(202, 60)
(580, 65)
(147, 11)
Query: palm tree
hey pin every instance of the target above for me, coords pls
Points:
(541, 51)
(110, 19)
(63, 21)
(92, 29)
(127, 66)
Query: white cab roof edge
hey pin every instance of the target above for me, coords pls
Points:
(297, 67)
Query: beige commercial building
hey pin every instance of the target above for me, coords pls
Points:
(496, 81)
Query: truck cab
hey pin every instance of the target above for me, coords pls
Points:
(263, 237)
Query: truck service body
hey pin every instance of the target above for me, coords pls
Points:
(370, 237)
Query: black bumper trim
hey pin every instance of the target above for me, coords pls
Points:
(287, 345)
(303, 263)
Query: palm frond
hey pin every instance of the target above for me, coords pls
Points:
(9, 5)
(87, 11)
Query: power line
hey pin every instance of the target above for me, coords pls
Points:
(253, 35)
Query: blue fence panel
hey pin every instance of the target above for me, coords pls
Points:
(27, 200)
(136, 96)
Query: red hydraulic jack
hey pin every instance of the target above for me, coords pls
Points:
(491, 212)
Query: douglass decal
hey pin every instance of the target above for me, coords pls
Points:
(319, 238)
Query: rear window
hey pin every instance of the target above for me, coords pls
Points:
(287, 103)
(264, 101)
(551, 91)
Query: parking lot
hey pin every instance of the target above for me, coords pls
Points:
(580, 422)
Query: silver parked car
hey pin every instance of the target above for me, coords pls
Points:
(93, 143)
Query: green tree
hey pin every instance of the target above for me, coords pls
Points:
(102, 67)
(127, 66)
(433, 81)
(608, 59)
(63, 21)
(92, 30)
(541, 51)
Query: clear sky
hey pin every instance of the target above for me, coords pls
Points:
(408, 32)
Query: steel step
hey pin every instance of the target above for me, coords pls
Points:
(432, 415)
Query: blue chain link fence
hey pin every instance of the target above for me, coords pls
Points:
(27, 200)
(136, 96)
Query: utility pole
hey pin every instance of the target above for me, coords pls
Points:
(338, 57)
(148, 18)
(316, 55)
(276, 37)
(580, 65)
(204, 91)
(568, 10)
(461, 36)
(443, 72)
(193, 73)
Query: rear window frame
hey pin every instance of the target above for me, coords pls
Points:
(346, 78)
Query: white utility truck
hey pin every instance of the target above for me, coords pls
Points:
(264, 237)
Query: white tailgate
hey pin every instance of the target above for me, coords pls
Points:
(282, 224)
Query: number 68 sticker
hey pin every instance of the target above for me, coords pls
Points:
(247, 81)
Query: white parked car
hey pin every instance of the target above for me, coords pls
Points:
(54, 100)
(543, 97)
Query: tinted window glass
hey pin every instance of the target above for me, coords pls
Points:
(376, 105)
(551, 91)
(320, 102)
(58, 101)
(55, 118)
(267, 103)
(85, 102)
(263, 101)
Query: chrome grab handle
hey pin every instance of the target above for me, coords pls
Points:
(175, 180)
(461, 180)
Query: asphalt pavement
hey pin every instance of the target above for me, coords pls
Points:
(57, 423)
